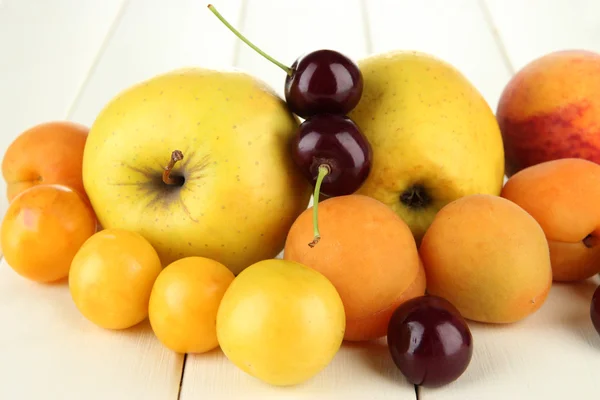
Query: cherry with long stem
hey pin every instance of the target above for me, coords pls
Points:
(322, 81)
(331, 153)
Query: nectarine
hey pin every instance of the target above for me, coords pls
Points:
(50, 152)
(488, 257)
(563, 196)
(43, 229)
(369, 254)
(550, 109)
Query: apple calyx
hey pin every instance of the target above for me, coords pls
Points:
(237, 33)
(590, 241)
(416, 196)
(324, 169)
(176, 155)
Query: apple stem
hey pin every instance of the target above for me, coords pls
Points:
(237, 33)
(176, 155)
(324, 169)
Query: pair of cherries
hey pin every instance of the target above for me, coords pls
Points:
(322, 87)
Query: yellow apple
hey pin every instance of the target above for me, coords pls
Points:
(434, 137)
(198, 162)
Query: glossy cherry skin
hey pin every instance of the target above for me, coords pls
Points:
(595, 309)
(429, 341)
(323, 82)
(337, 142)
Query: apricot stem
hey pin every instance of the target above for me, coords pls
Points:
(324, 169)
(590, 241)
(237, 33)
(176, 155)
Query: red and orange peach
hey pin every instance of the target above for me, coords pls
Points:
(550, 109)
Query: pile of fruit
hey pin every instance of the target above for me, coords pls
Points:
(176, 202)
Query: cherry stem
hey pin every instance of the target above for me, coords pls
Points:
(237, 33)
(176, 155)
(324, 169)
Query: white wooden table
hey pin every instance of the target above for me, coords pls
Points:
(64, 59)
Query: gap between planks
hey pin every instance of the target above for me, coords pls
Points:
(183, 364)
(489, 19)
(99, 54)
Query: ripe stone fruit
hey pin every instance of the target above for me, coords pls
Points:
(563, 196)
(429, 341)
(43, 229)
(320, 82)
(198, 162)
(550, 109)
(112, 276)
(489, 258)
(332, 154)
(48, 153)
(434, 137)
(595, 309)
(366, 251)
(184, 302)
(280, 322)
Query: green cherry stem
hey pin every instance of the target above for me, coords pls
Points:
(237, 33)
(324, 169)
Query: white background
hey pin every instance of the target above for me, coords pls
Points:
(64, 59)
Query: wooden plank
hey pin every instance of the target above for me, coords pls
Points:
(286, 30)
(49, 351)
(46, 51)
(455, 31)
(156, 36)
(363, 371)
(553, 354)
(530, 29)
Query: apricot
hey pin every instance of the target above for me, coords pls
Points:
(488, 257)
(550, 109)
(367, 252)
(51, 152)
(563, 196)
(43, 229)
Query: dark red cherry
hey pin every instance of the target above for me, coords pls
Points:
(333, 141)
(323, 81)
(595, 309)
(333, 155)
(320, 82)
(429, 341)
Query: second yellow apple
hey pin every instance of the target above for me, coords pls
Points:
(434, 137)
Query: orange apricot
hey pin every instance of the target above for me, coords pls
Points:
(367, 252)
(563, 196)
(488, 257)
(51, 152)
(43, 229)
